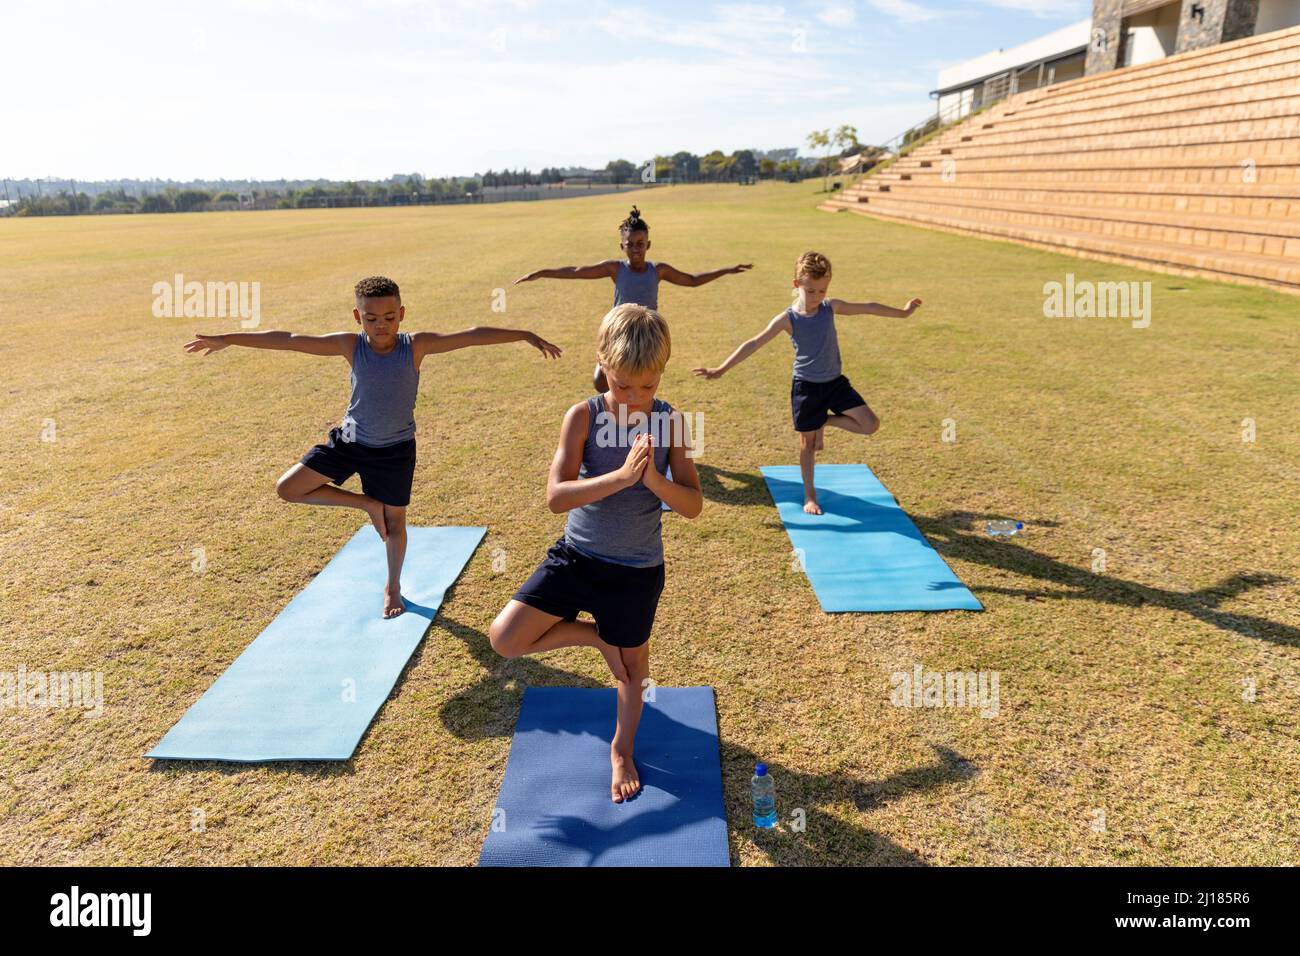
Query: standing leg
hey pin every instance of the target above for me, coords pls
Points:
(395, 521)
(625, 781)
(807, 459)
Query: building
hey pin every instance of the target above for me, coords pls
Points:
(1119, 33)
(1052, 58)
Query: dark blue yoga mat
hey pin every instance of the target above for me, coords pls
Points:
(554, 808)
(864, 553)
(308, 686)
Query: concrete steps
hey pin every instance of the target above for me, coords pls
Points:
(1188, 165)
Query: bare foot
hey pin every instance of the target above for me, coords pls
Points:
(624, 782)
(812, 507)
(614, 658)
(393, 603)
(375, 509)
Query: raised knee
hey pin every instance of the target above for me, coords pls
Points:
(873, 424)
(285, 490)
(499, 638)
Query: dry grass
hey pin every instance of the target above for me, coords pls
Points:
(1120, 691)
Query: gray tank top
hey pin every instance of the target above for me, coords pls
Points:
(639, 288)
(625, 527)
(816, 347)
(383, 392)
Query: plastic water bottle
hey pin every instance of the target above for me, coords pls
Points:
(764, 797)
(1000, 527)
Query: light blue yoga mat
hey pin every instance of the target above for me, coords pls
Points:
(864, 553)
(554, 808)
(308, 686)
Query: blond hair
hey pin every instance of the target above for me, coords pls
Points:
(633, 339)
(812, 264)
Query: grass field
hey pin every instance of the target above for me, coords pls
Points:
(1128, 691)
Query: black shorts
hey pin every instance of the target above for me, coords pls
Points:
(622, 599)
(386, 471)
(810, 401)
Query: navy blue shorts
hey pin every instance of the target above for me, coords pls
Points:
(622, 599)
(810, 402)
(386, 471)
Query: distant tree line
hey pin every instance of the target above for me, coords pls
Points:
(680, 167)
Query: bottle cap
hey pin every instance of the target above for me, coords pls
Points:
(760, 770)
(1019, 525)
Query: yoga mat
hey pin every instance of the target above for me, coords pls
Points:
(308, 686)
(864, 553)
(554, 808)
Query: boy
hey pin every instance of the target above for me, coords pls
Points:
(377, 438)
(609, 475)
(818, 388)
(635, 280)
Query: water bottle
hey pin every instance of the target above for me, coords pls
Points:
(764, 797)
(1000, 527)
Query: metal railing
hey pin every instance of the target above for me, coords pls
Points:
(903, 142)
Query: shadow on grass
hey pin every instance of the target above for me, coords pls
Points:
(491, 709)
(732, 487)
(951, 536)
(827, 840)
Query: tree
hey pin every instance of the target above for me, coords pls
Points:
(157, 202)
(846, 137)
(822, 139)
(686, 166)
(188, 200)
(715, 166)
(744, 163)
(620, 171)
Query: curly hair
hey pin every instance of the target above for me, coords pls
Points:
(812, 264)
(378, 287)
(634, 223)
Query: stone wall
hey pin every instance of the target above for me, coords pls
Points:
(1103, 47)
(1224, 20)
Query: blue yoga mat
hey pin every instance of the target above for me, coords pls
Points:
(864, 553)
(554, 808)
(308, 686)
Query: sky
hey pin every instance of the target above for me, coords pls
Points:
(363, 89)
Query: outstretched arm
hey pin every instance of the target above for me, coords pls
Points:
(668, 274)
(601, 270)
(431, 343)
(779, 324)
(335, 343)
(564, 489)
(840, 307)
